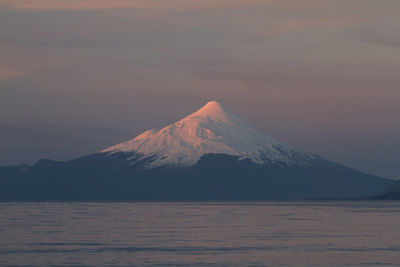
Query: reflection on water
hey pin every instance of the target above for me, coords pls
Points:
(200, 234)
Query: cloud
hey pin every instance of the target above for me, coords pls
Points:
(306, 24)
(9, 73)
(385, 32)
(81, 4)
(177, 5)
(17, 62)
(112, 4)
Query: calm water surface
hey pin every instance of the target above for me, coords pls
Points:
(200, 234)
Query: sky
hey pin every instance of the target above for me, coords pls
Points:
(79, 76)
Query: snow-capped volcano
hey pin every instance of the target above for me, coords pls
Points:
(213, 129)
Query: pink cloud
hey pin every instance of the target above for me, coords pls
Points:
(9, 73)
(157, 4)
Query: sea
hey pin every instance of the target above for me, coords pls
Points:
(324, 233)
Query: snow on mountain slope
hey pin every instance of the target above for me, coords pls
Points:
(212, 129)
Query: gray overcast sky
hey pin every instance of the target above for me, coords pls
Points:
(78, 76)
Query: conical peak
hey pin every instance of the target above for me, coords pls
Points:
(212, 107)
(212, 104)
(213, 110)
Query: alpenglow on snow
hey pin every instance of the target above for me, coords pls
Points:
(212, 129)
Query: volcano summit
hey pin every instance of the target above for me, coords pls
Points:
(209, 155)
